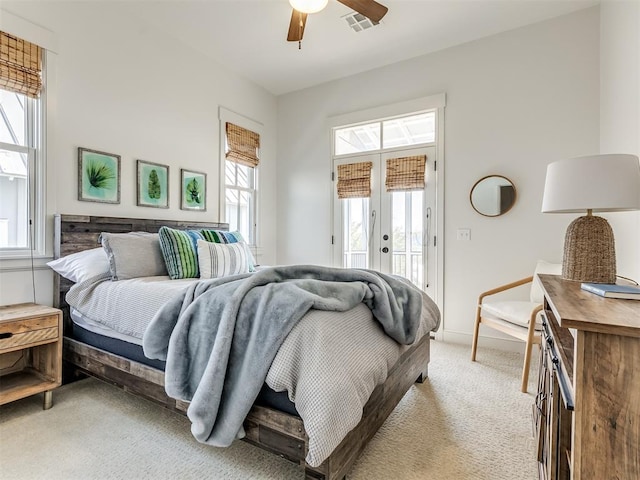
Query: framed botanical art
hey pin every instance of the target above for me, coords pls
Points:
(152, 185)
(193, 190)
(98, 176)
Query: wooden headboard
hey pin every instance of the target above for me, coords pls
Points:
(74, 233)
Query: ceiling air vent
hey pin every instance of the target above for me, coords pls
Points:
(358, 22)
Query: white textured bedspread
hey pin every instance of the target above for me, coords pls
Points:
(329, 363)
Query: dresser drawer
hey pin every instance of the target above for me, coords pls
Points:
(28, 331)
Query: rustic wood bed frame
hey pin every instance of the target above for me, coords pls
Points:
(267, 428)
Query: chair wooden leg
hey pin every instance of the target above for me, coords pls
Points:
(527, 351)
(527, 363)
(476, 330)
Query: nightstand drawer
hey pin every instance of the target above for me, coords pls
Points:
(28, 332)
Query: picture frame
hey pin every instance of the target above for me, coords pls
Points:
(152, 184)
(98, 176)
(193, 190)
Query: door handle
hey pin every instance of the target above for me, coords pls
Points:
(385, 250)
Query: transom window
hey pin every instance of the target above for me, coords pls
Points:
(409, 130)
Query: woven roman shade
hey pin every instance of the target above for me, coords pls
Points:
(406, 173)
(243, 145)
(354, 180)
(20, 65)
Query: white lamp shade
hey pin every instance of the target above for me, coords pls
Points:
(602, 183)
(308, 6)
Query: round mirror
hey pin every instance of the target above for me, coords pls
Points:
(493, 195)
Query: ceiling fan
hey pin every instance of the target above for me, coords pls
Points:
(371, 9)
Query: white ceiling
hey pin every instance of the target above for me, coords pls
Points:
(249, 36)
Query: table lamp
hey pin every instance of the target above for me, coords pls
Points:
(594, 183)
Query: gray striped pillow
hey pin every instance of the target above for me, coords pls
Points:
(222, 259)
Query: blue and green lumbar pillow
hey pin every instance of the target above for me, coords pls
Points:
(220, 236)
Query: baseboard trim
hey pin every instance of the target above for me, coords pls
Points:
(505, 344)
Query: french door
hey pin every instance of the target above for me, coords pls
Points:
(392, 232)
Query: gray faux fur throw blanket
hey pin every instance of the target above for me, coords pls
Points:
(220, 338)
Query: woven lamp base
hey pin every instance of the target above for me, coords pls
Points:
(589, 251)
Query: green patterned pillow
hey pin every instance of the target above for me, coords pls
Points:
(180, 252)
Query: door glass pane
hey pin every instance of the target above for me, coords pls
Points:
(361, 138)
(407, 235)
(411, 130)
(355, 215)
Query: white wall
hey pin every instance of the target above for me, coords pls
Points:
(620, 112)
(123, 87)
(515, 102)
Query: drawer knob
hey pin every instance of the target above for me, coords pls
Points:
(5, 335)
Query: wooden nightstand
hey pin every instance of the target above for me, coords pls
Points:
(30, 351)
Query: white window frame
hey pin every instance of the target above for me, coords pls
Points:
(225, 115)
(35, 138)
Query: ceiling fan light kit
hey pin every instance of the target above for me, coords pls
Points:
(308, 6)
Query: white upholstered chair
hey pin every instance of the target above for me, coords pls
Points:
(518, 318)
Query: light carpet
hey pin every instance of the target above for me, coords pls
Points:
(467, 421)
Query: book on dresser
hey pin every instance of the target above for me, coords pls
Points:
(608, 290)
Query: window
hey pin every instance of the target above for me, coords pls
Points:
(21, 152)
(411, 130)
(241, 161)
(359, 138)
(403, 131)
(240, 196)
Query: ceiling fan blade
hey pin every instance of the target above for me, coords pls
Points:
(371, 9)
(296, 26)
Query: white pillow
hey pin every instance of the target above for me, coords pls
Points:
(81, 266)
(222, 259)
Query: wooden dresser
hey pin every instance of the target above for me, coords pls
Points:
(587, 408)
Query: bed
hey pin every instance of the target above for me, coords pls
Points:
(269, 424)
